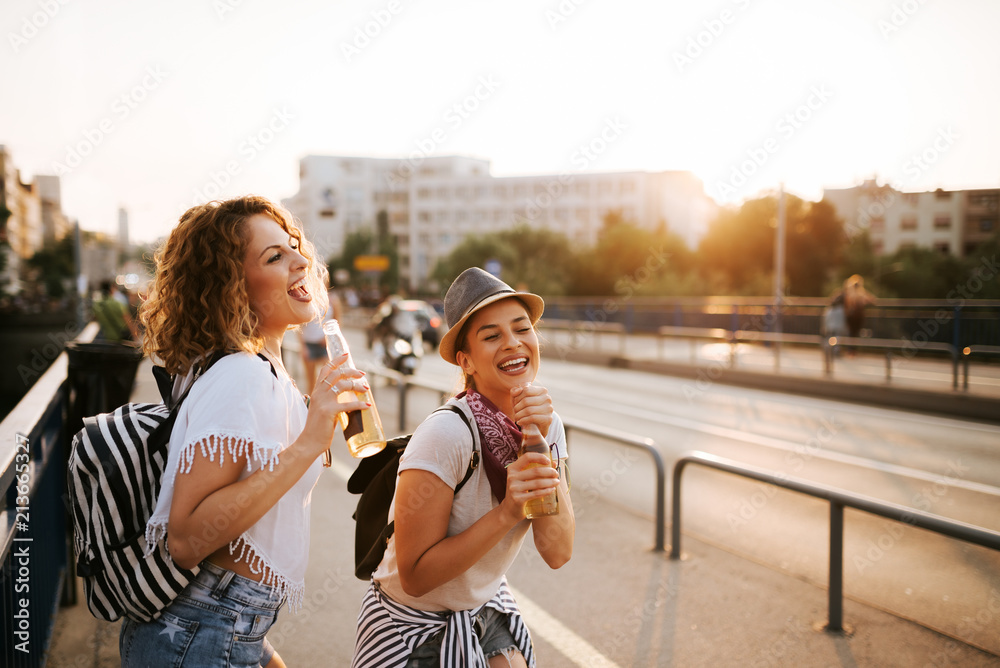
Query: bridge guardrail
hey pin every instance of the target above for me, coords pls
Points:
(34, 545)
(838, 499)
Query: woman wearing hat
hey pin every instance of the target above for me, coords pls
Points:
(441, 587)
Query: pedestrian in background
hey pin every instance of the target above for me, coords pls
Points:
(312, 340)
(113, 315)
(856, 299)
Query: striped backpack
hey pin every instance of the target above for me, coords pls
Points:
(114, 474)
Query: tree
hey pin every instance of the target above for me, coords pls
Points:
(737, 253)
(55, 265)
(535, 259)
(630, 260)
(5, 213)
(858, 258)
(981, 264)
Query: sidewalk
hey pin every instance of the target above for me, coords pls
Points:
(920, 383)
(617, 603)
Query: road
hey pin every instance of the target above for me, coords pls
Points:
(943, 466)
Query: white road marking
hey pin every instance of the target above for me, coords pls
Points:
(557, 634)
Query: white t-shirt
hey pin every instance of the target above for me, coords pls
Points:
(240, 410)
(442, 445)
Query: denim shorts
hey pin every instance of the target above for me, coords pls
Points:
(316, 351)
(490, 627)
(219, 619)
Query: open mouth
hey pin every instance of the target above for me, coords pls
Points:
(299, 292)
(513, 366)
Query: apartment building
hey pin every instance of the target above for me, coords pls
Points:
(35, 217)
(431, 205)
(950, 221)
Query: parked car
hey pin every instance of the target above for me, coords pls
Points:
(432, 326)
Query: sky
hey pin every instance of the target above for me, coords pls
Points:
(157, 106)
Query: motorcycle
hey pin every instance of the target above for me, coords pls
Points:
(401, 342)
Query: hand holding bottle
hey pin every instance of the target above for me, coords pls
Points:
(532, 411)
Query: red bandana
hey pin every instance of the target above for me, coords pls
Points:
(500, 437)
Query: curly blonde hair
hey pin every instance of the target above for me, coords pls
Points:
(198, 301)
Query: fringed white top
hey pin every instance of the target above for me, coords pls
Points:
(239, 409)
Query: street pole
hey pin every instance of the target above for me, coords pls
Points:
(779, 272)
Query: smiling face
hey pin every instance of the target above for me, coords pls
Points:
(500, 350)
(276, 277)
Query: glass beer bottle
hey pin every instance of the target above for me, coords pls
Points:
(533, 441)
(362, 428)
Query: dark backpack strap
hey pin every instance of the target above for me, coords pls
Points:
(165, 382)
(474, 460)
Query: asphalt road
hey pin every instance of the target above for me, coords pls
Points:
(943, 466)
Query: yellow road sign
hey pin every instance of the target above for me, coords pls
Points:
(371, 262)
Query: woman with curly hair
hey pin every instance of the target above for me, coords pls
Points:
(232, 278)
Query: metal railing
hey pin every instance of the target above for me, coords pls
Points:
(578, 328)
(970, 351)
(33, 533)
(827, 346)
(403, 384)
(839, 499)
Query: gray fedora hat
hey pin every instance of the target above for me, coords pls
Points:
(471, 291)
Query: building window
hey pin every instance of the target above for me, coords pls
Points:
(878, 223)
(989, 201)
(461, 192)
(628, 187)
(987, 224)
(582, 189)
(942, 222)
(909, 222)
(604, 188)
(520, 190)
(424, 193)
(941, 194)
(327, 213)
(443, 193)
(500, 191)
(942, 247)
(480, 191)
(424, 216)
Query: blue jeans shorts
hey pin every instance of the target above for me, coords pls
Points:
(490, 627)
(218, 620)
(316, 351)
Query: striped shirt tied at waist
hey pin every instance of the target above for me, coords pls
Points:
(388, 631)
